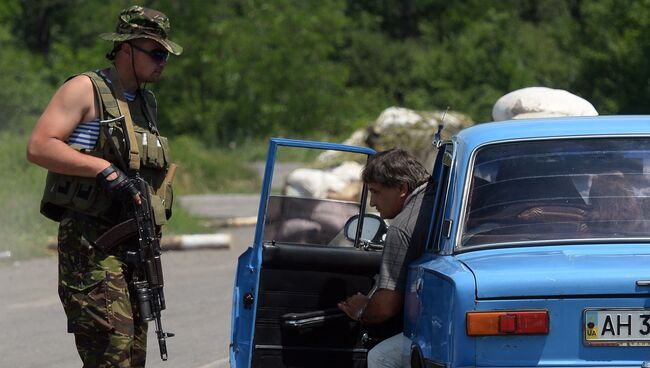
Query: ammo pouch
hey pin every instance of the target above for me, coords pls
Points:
(161, 195)
(154, 149)
(87, 196)
(155, 163)
(157, 170)
(77, 193)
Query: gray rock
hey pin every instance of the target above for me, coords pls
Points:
(396, 127)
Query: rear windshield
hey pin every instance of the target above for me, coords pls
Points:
(559, 190)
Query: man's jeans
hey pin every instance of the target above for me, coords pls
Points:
(394, 352)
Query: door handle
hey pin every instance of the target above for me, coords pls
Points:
(248, 300)
(642, 282)
(312, 319)
(418, 285)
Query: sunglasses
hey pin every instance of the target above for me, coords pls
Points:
(156, 54)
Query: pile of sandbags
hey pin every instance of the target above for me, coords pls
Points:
(338, 175)
(340, 182)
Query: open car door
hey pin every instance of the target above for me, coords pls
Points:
(288, 283)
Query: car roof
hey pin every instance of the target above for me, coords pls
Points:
(563, 127)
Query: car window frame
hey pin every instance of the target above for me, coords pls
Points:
(467, 180)
(442, 179)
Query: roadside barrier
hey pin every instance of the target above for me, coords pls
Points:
(182, 242)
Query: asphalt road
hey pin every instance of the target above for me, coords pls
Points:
(198, 287)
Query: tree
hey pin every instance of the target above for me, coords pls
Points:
(615, 55)
(268, 68)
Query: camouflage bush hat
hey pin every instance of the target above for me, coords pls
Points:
(138, 22)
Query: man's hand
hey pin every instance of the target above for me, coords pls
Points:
(115, 181)
(354, 306)
(383, 305)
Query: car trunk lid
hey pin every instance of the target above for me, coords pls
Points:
(560, 271)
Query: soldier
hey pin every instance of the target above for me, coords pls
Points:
(98, 126)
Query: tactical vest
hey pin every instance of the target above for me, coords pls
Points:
(150, 157)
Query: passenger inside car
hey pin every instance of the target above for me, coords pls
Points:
(526, 194)
(591, 189)
(615, 209)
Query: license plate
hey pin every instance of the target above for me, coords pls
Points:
(617, 327)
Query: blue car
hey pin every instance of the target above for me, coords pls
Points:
(537, 254)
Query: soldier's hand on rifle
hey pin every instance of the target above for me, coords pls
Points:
(116, 182)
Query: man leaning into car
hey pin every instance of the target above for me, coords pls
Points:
(396, 182)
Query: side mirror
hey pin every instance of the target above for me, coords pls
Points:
(374, 228)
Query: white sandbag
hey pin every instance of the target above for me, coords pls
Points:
(316, 183)
(540, 102)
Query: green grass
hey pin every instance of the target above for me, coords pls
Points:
(25, 232)
(203, 170)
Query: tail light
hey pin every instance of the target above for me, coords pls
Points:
(507, 323)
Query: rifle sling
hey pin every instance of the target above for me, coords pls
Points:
(132, 144)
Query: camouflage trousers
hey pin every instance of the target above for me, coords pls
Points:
(97, 298)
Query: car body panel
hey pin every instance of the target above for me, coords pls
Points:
(241, 316)
(438, 287)
(565, 127)
(544, 271)
(564, 345)
(563, 278)
(442, 290)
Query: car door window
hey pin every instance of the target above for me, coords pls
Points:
(314, 205)
(311, 221)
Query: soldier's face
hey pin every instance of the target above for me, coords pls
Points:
(149, 59)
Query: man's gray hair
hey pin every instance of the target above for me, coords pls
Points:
(393, 167)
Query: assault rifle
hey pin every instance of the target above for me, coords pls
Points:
(148, 276)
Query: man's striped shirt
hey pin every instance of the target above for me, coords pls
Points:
(86, 134)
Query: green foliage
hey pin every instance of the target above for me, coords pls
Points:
(267, 69)
(203, 170)
(253, 69)
(315, 69)
(490, 58)
(183, 223)
(615, 55)
(23, 94)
